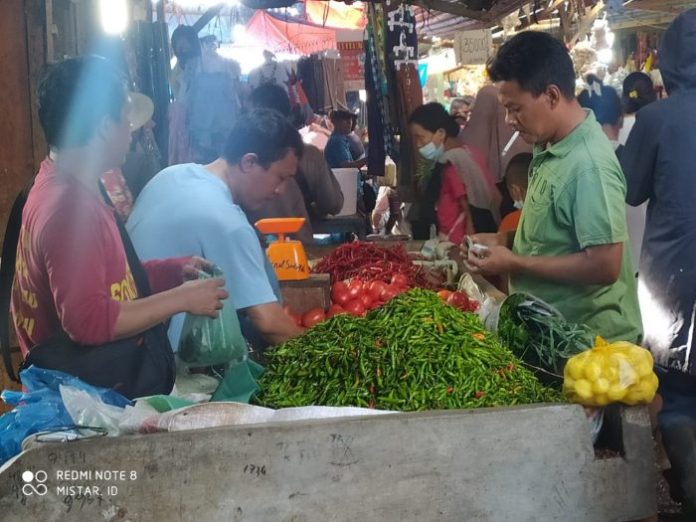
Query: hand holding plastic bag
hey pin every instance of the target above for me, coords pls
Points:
(206, 341)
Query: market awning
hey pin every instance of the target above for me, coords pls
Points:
(335, 14)
(282, 37)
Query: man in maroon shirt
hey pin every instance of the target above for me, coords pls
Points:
(71, 269)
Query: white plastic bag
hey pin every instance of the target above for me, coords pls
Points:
(86, 409)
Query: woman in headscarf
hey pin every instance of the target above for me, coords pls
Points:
(487, 132)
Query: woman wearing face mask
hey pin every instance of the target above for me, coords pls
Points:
(435, 134)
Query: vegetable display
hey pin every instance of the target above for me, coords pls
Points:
(368, 262)
(414, 353)
(617, 372)
(540, 336)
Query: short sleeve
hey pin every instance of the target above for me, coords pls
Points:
(594, 205)
(337, 152)
(81, 265)
(238, 253)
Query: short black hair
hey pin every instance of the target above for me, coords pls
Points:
(186, 32)
(638, 91)
(606, 107)
(338, 115)
(433, 116)
(271, 96)
(517, 170)
(535, 60)
(264, 132)
(74, 95)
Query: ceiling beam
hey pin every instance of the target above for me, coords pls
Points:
(658, 19)
(660, 6)
(455, 8)
(206, 17)
(586, 23)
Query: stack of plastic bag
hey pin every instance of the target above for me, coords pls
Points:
(41, 407)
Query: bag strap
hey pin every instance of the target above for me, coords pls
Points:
(7, 272)
(142, 283)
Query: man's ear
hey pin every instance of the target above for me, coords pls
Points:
(554, 95)
(248, 162)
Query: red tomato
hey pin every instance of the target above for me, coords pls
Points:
(458, 300)
(400, 280)
(389, 293)
(355, 307)
(355, 288)
(339, 293)
(367, 301)
(335, 310)
(297, 318)
(376, 289)
(312, 317)
(398, 289)
(444, 294)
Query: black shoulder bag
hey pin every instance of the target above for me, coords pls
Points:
(135, 367)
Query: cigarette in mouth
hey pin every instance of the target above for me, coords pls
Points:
(510, 143)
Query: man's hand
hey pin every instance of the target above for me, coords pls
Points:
(196, 264)
(496, 260)
(489, 240)
(203, 297)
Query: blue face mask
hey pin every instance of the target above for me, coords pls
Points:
(432, 152)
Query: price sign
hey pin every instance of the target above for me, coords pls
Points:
(473, 47)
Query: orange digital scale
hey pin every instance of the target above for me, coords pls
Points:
(287, 256)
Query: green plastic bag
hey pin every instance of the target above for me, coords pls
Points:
(239, 382)
(206, 341)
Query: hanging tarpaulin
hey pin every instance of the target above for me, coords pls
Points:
(335, 14)
(353, 61)
(283, 37)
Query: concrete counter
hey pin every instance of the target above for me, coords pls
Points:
(509, 464)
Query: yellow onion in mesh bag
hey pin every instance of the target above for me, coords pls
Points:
(610, 372)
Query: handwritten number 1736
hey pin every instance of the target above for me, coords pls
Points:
(251, 469)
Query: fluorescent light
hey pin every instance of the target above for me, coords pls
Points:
(114, 16)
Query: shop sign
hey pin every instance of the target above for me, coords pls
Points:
(353, 61)
(473, 47)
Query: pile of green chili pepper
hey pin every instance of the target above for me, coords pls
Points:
(414, 353)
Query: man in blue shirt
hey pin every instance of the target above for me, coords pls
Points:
(193, 209)
(338, 149)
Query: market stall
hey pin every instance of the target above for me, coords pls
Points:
(417, 391)
(414, 352)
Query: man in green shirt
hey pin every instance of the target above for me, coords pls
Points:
(570, 248)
